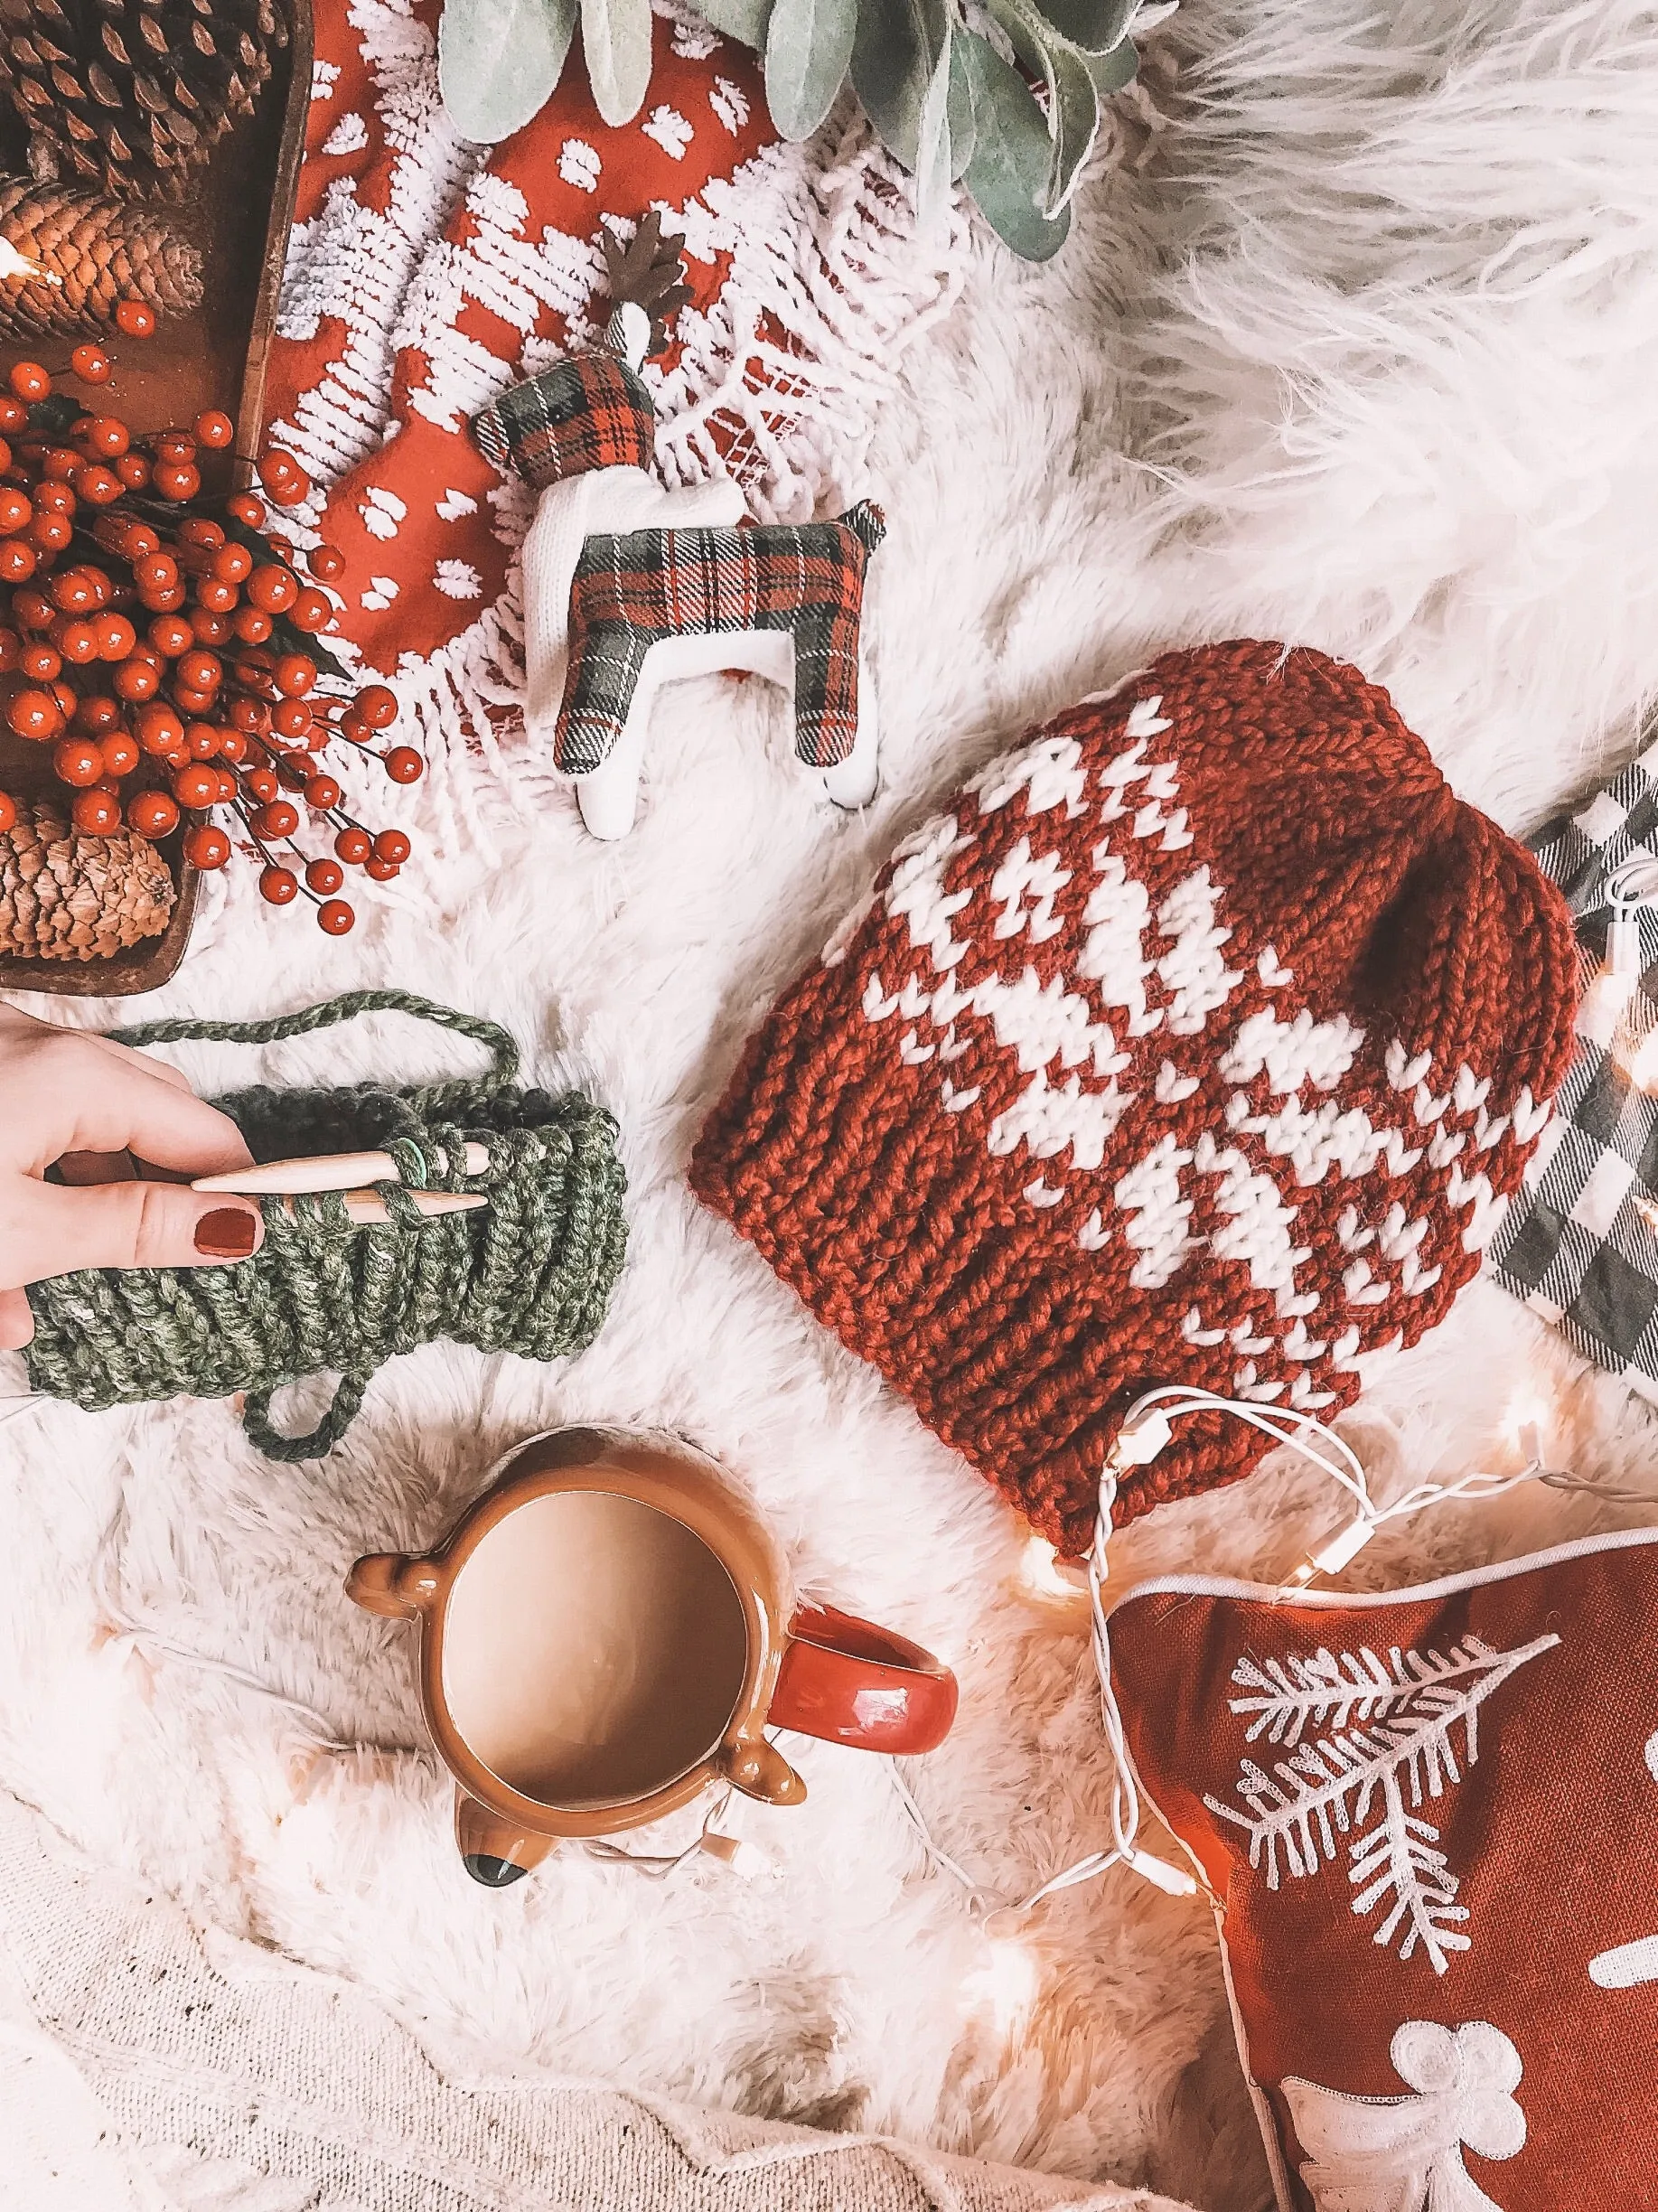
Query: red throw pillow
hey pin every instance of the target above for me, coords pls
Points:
(1429, 1824)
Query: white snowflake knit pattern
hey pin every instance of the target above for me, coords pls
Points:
(1169, 970)
(1196, 1040)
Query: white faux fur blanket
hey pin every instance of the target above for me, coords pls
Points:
(1365, 361)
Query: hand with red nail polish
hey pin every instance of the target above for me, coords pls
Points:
(91, 1109)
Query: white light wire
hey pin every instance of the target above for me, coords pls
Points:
(136, 1635)
(141, 1634)
(1633, 884)
(657, 1866)
(1286, 1425)
(1146, 1430)
(1630, 890)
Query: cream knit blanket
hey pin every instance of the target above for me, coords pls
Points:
(150, 2066)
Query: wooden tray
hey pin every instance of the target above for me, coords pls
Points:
(238, 211)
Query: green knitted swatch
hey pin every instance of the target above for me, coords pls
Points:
(532, 1273)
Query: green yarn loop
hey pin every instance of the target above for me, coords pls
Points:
(319, 1441)
(532, 1274)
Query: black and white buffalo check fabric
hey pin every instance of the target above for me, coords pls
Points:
(1581, 1242)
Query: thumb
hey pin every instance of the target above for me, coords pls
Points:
(16, 1321)
(130, 1225)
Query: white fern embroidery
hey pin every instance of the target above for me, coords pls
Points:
(1370, 1743)
(670, 130)
(579, 164)
(350, 134)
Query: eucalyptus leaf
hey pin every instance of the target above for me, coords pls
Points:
(1114, 70)
(745, 20)
(808, 52)
(963, 123)
(1073, 104)
(616, 41)
(1073, 123)
(1023, 29)
(893, 56)
(932, 163)
(1093, 26)
(499, 62)
(1011, 154)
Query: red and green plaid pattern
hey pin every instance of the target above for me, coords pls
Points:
(589, 413)
(629, 591)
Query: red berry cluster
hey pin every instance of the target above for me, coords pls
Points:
(166, 648)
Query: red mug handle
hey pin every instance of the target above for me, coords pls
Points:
(854, 1684)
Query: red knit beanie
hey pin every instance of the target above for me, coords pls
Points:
(1202, 1039)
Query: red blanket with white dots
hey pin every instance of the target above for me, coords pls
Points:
(427, 274)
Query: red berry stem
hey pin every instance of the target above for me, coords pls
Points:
(153, 630)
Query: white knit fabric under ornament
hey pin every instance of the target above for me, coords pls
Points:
(148, 2066)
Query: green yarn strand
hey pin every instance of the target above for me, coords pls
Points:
(322, 1440)
(532, 1273)
(433, 1098)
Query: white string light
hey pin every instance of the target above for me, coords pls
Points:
(1631, 889)
(1147, 1428)
(743, 1858)
(1045, 1575)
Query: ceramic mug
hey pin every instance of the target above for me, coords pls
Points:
(611, 1627)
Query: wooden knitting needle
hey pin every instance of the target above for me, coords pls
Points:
(332, 1171)
(363, 1208)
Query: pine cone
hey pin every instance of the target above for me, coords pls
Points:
(131, 95)
(68, 897)
(101, 250)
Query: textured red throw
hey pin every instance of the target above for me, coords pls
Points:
(426, 275)
(385, 182)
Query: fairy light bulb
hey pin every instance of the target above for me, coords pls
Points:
(1606, 1000)
(746, 1859)
(1336, 1551)
(1630, 889)
(1523, 1423)
(1641, 1066)
(1043, 1576)
(1005, 1983)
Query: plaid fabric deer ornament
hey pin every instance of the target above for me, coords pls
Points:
(592, 413)
(427, 276)
(628, 586)
(802, 585)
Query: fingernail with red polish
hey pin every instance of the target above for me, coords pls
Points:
(226, 1233)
